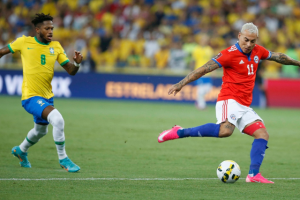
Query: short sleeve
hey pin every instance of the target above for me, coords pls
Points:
(62, 56)
(266, 54)
(16, 45)
(221, 59)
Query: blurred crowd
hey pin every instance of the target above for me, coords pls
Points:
(163, 34)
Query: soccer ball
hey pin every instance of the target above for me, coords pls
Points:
(229, 171)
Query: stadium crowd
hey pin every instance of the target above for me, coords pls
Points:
(163, 34)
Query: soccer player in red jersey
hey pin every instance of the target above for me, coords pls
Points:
(239, 63)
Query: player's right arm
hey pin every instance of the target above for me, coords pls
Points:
(194, 75)
(4, 51)
(14, 46)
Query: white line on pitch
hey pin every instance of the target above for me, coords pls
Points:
(120, 179)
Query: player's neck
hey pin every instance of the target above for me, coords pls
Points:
(40, 40)
(242, 49)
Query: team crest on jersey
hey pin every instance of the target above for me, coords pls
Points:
(51, 50)
(232, 116)
(256, 59)
(218, 56)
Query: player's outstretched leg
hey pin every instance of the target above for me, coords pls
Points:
(206, 130)
(57, 121)
(16, 151)
(170, 134)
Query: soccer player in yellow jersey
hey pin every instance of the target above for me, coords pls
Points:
(201, 54)
(38, 55)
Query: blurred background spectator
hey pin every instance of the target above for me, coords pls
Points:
(155, 35)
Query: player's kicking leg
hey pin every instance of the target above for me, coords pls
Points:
(224, 129)
(54, 117)
(257, 154)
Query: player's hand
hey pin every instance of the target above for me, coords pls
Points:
(78, 57)
(175, 89)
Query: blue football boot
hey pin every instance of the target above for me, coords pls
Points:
(16, 151)
(68, 165)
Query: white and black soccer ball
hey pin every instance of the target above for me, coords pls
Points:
(229, 171)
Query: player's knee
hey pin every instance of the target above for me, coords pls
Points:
(261, 134)
(225, 133)
(56, 119)
(226, 129)
(41, 130)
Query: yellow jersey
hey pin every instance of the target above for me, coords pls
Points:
(201, 55)
(38, 61)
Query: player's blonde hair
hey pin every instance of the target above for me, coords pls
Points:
(250, 27)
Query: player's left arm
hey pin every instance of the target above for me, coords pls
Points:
(72, 68)
(283, 59)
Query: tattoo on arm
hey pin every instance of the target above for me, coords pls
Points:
(196, 74)
(4, 51)
(283, 59)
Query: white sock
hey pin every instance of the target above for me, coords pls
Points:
(57, 121)
(33, 136)
(61, 151)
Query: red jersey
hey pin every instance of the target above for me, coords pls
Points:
(239, 72)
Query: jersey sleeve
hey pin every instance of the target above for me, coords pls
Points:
(62, 56)
(266, 54)
(17, 44)
(221, 59)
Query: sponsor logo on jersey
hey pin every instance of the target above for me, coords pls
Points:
(242, 62)
(256, 59)
(218, 56)
(51, 50)
(40, 102)
(232, 116)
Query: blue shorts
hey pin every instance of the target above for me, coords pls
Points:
(35, 106)
(203, 80)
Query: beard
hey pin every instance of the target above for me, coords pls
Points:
(43, 37)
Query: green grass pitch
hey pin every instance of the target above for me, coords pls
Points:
(117, 140)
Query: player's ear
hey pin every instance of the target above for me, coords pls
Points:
(37, 29)
(239, 35)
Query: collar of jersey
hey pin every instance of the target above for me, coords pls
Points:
(40, 42)
(246, 54)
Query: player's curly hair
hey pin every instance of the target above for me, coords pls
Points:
(40, 17)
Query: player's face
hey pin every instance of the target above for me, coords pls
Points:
(45, 31)
(247, 41)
